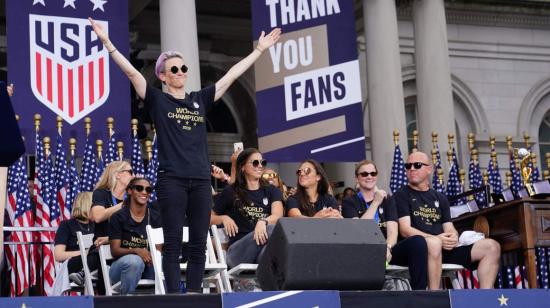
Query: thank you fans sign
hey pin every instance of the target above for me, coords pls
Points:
(308, 88)
(60, 67)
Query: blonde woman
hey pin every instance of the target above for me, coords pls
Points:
(66, 244)
(108, 196)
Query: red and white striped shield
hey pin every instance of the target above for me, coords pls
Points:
(69, 65)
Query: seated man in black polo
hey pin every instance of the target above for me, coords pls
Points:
(424, 211)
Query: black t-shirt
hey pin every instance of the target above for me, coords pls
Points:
(181, 131)
(428, 210)
(356, 206)
(246, 217)
(132, 234)
(103, 197)
(324, 200)
(66, 233)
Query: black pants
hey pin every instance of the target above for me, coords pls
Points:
(180, 200)
(413, 252)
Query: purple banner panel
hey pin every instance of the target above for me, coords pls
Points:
(60, 67)
(308, 87)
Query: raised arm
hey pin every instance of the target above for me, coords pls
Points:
(136, 78)
(264, 42)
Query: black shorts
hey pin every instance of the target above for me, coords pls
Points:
(460, 255)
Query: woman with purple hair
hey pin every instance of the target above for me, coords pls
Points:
(183, 185)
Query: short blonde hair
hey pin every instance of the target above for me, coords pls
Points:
(81, 206)
(108, 177)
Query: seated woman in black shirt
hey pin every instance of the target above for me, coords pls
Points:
(373, 203)
(107, 198)
(312, 198)
(66, 243)
(128, 237)
(248, 210)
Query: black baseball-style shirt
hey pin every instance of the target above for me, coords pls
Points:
(66, 233)
(323, 201)
(132, 234)
(356, 206)
(105, 198)
(245, 217)
(181, 131)
(428, 210)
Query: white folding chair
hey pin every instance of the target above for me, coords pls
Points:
(447, 270)
(241, 271)
(84, 244)
(104, 256)
(212, 268)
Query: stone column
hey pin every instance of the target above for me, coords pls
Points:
(385, 86)
(433, 73)
(178, 31)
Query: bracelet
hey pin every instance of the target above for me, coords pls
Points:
(110, 52)
(258, 49)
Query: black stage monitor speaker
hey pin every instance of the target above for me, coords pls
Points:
(323, 254)
(11, 147)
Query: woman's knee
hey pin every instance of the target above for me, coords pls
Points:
(133, 262)
(435, 245)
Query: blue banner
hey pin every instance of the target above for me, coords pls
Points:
(48, 302)
(60, 67)
(282, 299)
(308, 88)
(532, 298)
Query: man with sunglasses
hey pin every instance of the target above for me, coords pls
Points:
(426, 212)
(183, 185)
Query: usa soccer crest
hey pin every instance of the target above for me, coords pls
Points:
(69, 66)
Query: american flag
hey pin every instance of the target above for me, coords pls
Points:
(74, 182)
(542, 267)
(476, 181)
(535, 173)
(454, 188)
(510, 278)
(500, 282)
(19, 210)
(137, 160)
(89, 168)
(152, 168)
(100, 167)
(398, 175)
(111, 150)
(61, 179)
(494, 176)
(516, 175)
(436, 185)
(517, 277)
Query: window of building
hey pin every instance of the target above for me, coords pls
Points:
(544, 140)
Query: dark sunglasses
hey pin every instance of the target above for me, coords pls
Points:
(128, 170)
(174, 69)
(365, 174)
(417, 165)
(305, 171)
(256, 163)
(271, 175)
(140, 188)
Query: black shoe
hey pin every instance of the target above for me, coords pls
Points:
(77, 278)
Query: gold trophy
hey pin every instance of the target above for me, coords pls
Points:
(525, 157)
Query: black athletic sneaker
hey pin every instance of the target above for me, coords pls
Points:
(77, 278)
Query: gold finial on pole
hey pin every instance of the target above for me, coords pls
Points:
(440, 176)
(471, 141)
(450, 156)
(492, 142)
(59, 123)
(526, 138)
(37, 119)
(474, 154)
(451, 139)
(546, 174)
(99, 146)
(485, 176)
(434, 139)
(395, 137)
(120, 150)
(534, 160)
(72, 146)
(462, 176)
(434, 157)
(494, 157)
(509, 143)
(110, 125)
(134, 126)
(415, 141)
(88, 125)
(149, 149)
(47, 146)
